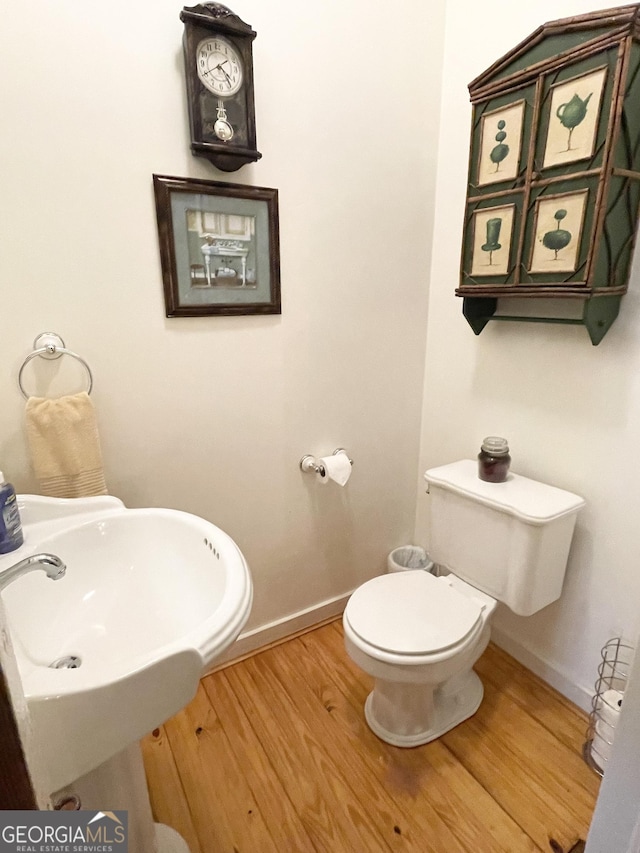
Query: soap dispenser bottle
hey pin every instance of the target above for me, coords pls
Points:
(10, 525)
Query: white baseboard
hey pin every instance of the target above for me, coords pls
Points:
(580, 696)
(281, 629)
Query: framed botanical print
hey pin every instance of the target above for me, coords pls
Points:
(558, 223)
(573, 118)
(492, 234)
(501, 138)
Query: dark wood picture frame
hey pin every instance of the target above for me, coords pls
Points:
(219, 247)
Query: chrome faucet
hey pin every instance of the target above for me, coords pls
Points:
(49, 563)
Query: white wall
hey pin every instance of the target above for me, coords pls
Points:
(571, 411)
(212, 415)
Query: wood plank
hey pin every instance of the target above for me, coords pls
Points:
(542, 784)
(313, 780)
(554, 761)
(319, 702)
(168, 801)
(556, 713)
(274, 754)
(285, 826)
(427, 783)
(224, 810)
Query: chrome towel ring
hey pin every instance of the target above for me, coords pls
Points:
(49, 345)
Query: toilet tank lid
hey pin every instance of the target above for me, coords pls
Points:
(528, 500)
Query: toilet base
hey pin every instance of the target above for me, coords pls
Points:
(409, 715)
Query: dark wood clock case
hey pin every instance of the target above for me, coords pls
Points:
(203, 21)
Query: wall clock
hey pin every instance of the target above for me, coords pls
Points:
(218, 59)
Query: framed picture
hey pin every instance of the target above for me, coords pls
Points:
(573, 118)
(558, 223)
(219, 247)
(500, 142)
(492, 230)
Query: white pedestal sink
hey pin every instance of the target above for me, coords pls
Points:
(150, 598)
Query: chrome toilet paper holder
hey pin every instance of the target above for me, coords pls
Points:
(309, 464)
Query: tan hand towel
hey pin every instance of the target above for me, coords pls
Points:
(65, 446)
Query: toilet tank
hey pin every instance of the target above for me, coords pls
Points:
(510, 540)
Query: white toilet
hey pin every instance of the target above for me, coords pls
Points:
(420, 634)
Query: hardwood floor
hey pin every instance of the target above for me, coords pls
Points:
(273, 754)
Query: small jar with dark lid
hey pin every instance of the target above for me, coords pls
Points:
(494, 460)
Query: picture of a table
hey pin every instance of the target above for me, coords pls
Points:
(215, 249)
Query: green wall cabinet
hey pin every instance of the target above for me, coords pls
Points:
(554, 176)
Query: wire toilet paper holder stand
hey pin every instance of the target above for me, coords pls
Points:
(613, 672)
(309, 464)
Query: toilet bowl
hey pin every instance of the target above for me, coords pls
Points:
(419, 636)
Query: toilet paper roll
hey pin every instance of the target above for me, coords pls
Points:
(602, 744)
(600, 751)
(608, 708)
(336, 467)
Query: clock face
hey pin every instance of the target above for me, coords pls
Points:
(219, 66)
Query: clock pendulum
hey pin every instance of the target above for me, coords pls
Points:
(221, 127)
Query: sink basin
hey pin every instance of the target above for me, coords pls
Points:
(150, 598)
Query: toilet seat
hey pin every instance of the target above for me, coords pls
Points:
(412, 613)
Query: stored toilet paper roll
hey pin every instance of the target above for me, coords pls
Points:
(609, 706)
(601, 745)
(608, 710)
(336, 467)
